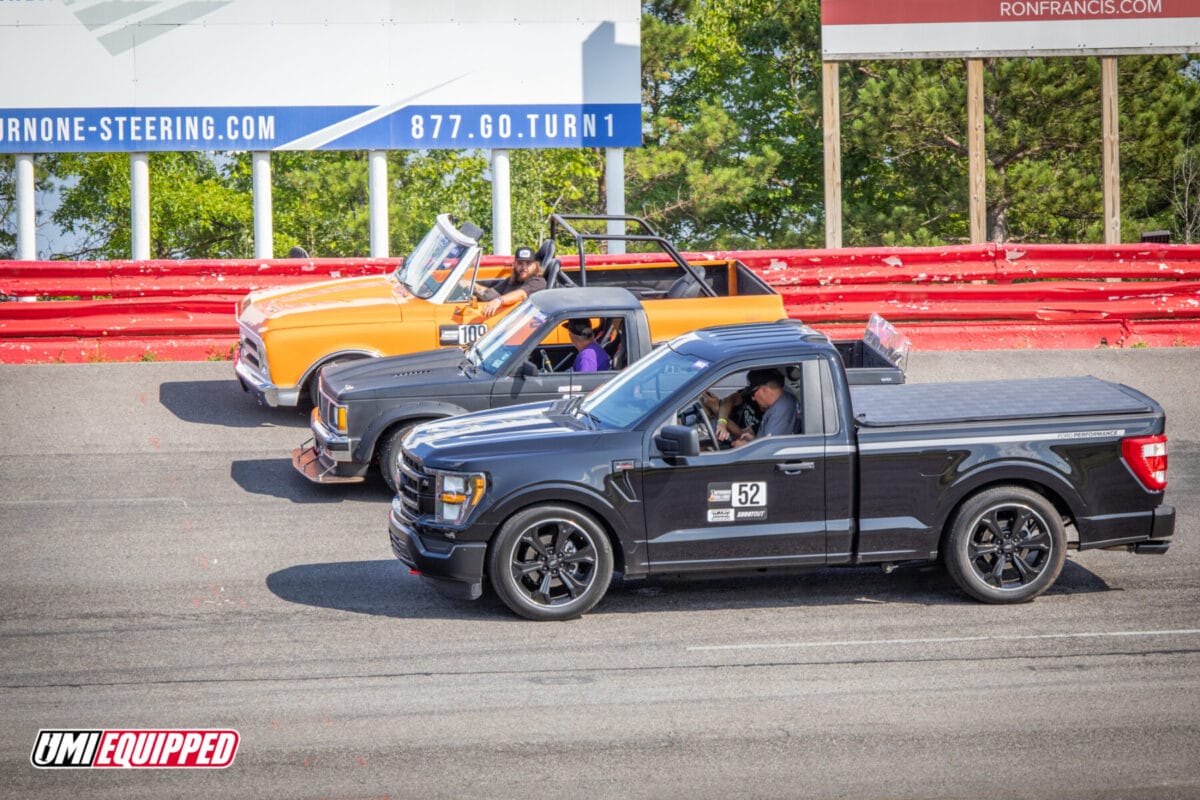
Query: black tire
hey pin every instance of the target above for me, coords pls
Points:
(550, 562)
(1005, 545)
(388, 452)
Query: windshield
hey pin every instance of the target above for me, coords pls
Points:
(497, 346)
(629, 397)
(432, 262)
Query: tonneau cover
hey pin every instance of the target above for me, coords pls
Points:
(973, 401)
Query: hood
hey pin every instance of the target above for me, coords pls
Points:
(370, 299)
(533, 429)
(401, 376)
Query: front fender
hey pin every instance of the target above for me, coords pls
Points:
(416, 411)
(348, 355)
(558, 492)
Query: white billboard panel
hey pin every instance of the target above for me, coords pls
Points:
(862, 29)
(138, 75)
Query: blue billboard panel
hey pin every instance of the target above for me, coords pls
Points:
(99, 130)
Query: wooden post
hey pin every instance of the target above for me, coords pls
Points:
(976, 151)
(833, 155)
(1112, 151)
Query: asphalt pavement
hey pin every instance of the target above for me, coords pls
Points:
(164, 567)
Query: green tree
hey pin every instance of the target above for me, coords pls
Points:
(732, 154)
(194, 213)
(905, 152)
(8, 206)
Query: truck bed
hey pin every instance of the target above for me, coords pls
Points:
(974, 401)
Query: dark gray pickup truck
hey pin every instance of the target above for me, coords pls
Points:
(365, 408)
(995, 479)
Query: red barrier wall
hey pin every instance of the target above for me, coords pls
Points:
(961, 297)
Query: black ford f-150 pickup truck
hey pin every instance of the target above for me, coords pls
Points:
(365, 408)
(547, 500)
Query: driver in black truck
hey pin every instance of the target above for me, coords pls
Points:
(765, 387)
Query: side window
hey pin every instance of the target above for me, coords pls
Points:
(750, 404)
(584, 344)
(554, 353)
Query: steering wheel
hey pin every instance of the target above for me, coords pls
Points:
(709, 430)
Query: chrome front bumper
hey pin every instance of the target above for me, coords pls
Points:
(266, 392)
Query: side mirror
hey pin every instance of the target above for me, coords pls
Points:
(678, 441)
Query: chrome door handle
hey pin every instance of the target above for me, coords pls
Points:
(795, 467)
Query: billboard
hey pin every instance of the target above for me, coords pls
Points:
(864, 29)
(146, 75)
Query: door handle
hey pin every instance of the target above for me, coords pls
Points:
(795, 467)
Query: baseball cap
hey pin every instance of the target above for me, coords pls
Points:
(523, 254)
(758, 377)
(579, 327)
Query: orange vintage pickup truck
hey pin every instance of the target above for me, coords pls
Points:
(288, 335)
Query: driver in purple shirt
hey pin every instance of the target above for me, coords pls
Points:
(591, 356)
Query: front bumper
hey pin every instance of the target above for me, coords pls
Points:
(325, 458)
(263, 390)
(315, 463)
(453, 568)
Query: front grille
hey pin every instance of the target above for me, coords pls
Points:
(326, 408)
(252, 352)
(415, 488)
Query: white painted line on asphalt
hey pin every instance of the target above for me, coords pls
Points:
(945, 640)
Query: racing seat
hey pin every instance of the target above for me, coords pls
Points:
(794, 387)
(544, 252)
(551, 271)
(686, 287)
(613, 342)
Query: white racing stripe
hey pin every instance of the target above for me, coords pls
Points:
(945, 640)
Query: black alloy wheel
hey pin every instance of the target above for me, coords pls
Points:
(551, 562)
(1006, 545)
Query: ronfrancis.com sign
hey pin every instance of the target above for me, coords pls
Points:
(858, 29)
(99, 76)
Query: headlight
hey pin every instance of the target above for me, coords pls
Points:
(337, 413)
(458, 493)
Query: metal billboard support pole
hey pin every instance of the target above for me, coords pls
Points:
(1112, 150)
(501, 204)
(614, 188)
(975, 151)
(139, 205)
(26, 216)
(264, 232)
(832, 107)
(377, 191)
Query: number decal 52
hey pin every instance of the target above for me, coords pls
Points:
(748, 494)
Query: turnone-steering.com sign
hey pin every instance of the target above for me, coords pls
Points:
(308, 75)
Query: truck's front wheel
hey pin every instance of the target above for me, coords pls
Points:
(1006, 545)
(389, 451)
(551, 562)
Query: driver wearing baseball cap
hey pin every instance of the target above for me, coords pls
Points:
(525, 279)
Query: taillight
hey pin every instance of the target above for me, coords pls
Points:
(1147, 457)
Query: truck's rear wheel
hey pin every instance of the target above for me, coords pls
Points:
(551, 562)
(1006, 545)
